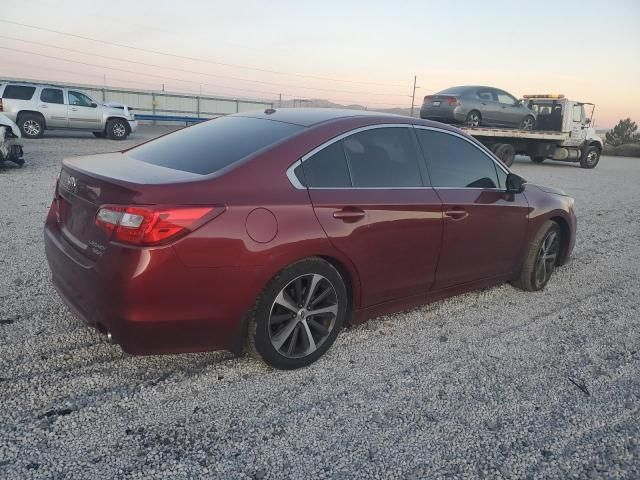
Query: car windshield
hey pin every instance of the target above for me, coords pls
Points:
(210, 146)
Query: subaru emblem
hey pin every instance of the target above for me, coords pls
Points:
(72, 184)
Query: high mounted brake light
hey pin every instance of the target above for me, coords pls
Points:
(152, 225)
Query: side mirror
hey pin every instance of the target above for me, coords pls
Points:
(587, 121)
(515, 183)
(94, 105)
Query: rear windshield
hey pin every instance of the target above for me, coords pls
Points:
(453, 91)
(18, 92)
(210, 146)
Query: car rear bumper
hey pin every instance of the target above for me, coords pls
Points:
(149, 300)
(446, 115)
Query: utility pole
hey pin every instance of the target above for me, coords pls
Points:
(413, 95)
(280, 100)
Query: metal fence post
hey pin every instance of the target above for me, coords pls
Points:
(153, 104)
(198, 106)
(237, 105)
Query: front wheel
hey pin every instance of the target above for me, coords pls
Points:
(541, 258)
(117, 129)
(528, 123)
(299, 315)
(590, 158)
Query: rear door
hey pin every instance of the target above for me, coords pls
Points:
(83, 112)
(488, 106)
(52, 105)
(483, 227)
(369, 192)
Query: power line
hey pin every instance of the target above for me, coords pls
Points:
(163, 77)
(193, 72)
(196, 59)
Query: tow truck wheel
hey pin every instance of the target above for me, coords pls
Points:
(590, 158)
(537, 159)
(506, 153)
(473, 119)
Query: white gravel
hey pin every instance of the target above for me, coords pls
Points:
(475, 386)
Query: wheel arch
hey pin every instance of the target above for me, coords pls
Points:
(565, 237)
(116, 117)
(31, 112)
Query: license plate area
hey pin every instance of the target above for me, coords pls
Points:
(435, 104)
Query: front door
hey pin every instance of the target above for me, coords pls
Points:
(83, 112)
(368, 192)
(483, 226)
(578, 126)
(510, 110)
(53, 107)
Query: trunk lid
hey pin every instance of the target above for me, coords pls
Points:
(87, 183)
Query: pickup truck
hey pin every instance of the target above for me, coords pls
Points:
(563, 132)
(37, 107)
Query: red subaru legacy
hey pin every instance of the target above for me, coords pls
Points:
(273, 230)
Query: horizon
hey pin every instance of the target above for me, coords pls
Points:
(366, 55)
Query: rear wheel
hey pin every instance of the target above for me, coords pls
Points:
(31, 125)
(298, 316)
(117, 129)
(474, 119)
(590, 158)
(528, 123)
(541, 258)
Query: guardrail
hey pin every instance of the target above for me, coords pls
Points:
(170, 118)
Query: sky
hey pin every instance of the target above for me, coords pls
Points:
(348, 51)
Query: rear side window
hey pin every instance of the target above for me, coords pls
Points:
(18, 92)
(383, 157)
(456, 163)
(327, 168)
(52, 95)
(213, 145)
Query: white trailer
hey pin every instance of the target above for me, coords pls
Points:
(563, 132)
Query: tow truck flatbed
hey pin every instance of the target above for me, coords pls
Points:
(513, 133)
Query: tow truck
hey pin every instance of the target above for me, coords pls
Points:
(563, 132)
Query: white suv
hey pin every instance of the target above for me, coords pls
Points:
(36, 108)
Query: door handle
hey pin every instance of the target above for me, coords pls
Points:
(349, 214)
(456, 214)
(73, 109)
(43, 106)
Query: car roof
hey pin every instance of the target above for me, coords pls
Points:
(307, 117)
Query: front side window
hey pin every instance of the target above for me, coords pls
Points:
(18, 92)
(326, 168)
(455, 162)
(577, 113)
(505, 98)
(382, 157)
(79, 99)
(52, 95)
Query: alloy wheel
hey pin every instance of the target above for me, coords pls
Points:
(547, 257)
(592, 158)
(31, 128)
(303, 315)
(473, 120)
(119, 130)
(527, 123)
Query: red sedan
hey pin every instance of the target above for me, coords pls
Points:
(272, 230)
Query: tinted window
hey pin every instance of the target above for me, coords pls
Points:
(18, 92)
(52, 95)
(454, 162)
(327, 168)
(383, 157)
(79, 99)
(485, 95)
(210, 146)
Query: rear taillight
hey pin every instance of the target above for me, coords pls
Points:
(1, 106)
(453, 101)
(152, 225)
(427, 98)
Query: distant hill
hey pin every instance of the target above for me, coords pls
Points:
(322, 103)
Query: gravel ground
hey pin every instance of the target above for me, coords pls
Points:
(497, 384)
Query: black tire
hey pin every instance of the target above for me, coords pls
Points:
(537, 159)
(31, 125)
(271, 328)
(117, 129)
(528, 123)
(474, 119)
(506, 153)
(590, 157)
(544, 247)
(100, 134)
